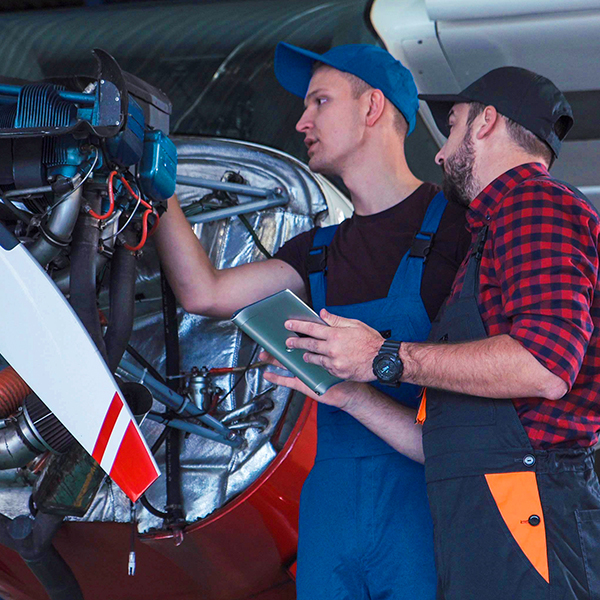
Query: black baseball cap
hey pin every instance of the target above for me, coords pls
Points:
(527, 98)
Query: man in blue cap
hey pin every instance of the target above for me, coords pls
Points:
(365, 527)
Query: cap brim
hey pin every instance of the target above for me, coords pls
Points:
(440, 106)
(294, 67)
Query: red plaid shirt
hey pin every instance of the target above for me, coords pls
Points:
(539, 284)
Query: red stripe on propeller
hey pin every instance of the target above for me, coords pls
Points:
(107, 427)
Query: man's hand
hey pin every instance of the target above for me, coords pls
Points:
(346, 348)
(341, 395)
(393, 422)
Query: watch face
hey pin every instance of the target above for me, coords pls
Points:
(387, 368)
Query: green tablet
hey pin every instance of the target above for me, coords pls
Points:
(264, 322)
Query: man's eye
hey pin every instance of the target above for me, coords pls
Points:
(321, 101)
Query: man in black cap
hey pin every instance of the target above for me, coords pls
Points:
(365, 527)
(512, 409)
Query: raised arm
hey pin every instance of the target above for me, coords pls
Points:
(201, 288)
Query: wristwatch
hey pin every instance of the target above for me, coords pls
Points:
(387, 365)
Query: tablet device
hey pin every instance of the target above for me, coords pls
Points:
(264, 322)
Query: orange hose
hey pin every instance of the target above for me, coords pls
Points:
(145, 216)
(13, 390)
(111, 197)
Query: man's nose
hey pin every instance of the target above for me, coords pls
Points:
(304, 124)
(439, 157)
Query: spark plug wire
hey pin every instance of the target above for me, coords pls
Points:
(111, 198)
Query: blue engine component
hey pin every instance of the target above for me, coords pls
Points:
(127, 147)
(158, 168)
(47, 129)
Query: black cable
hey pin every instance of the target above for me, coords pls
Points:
(254, 236)
(154, 449)
(228, 200)
(159, 440)
(241, 376)
(142, 361)
(157, 513)
(176, 517)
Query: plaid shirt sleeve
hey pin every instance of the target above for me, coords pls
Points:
(546, 258)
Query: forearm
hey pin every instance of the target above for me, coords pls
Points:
(391, 421)
(184, 261)
(201, 288)
(496, 367)
(394, 423)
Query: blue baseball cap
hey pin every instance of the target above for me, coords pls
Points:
(375, 66)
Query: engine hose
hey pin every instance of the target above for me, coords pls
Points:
(32, 539)
(55, 575)
(13, 390)
(122, 303)
(84, 252)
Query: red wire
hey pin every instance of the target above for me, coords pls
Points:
(150, 210)
(144, 233)
(130, 190)
(221, 370)
(111, 197)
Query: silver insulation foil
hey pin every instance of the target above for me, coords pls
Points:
(211, 473)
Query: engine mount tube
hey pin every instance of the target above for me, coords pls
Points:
(59, 228)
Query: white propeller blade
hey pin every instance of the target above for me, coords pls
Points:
(44, 341)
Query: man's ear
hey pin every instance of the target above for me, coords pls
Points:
(375, 107)
(486, 122)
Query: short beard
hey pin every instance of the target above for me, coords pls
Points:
(459, 183)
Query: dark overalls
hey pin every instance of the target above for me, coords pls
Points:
(365, 527)
(510, 522)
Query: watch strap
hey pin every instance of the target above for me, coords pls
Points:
(390, 347)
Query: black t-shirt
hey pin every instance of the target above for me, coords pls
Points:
(366, 251)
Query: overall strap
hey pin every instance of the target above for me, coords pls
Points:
(424, 238)
(470, 285)
(407, 280)
(317, 266)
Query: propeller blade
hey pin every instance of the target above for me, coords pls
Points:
(44, 341)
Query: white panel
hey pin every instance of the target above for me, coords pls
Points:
(427, 63)
(410, 36)
(460, 10)
(564, 48)
(398, 20)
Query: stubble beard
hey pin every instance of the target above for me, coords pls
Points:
(460, 184)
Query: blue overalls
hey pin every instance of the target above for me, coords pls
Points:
(365, 527)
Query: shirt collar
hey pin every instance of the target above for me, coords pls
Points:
(483, 206)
